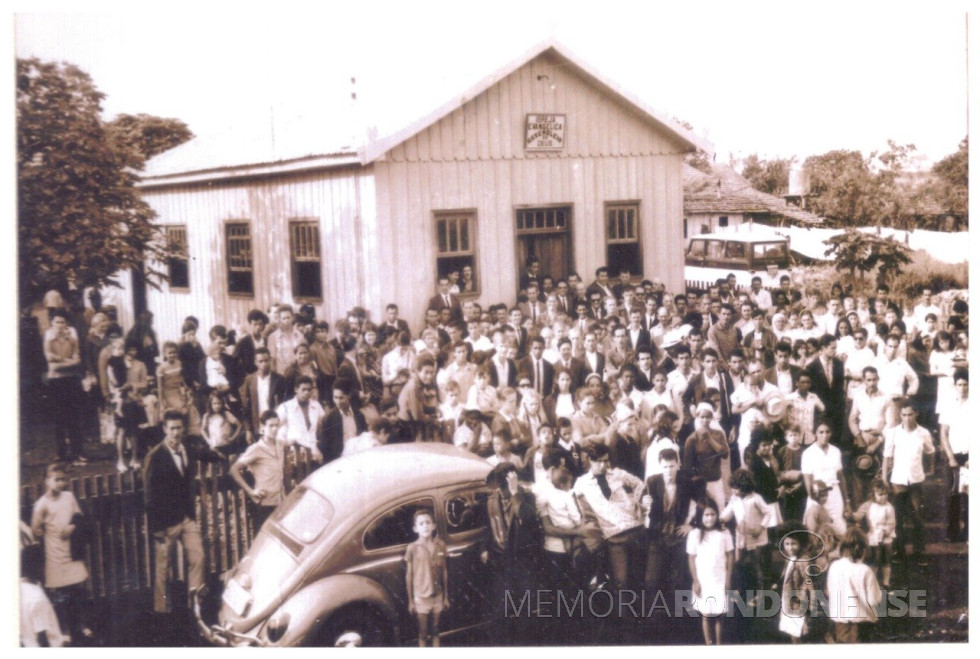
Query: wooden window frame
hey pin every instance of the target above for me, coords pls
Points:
(455, 235)
(169, 231)
(229, 267)
(310, 244)
(623, 225)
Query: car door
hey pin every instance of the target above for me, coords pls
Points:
(464, 527)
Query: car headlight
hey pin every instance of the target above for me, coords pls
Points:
(277, 625)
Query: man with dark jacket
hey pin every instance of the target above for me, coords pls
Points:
(262, 390)
(827, 375)
(170, 476)
(343, 422)
(248, 344)
(670, 508)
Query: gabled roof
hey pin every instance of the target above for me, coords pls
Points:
(377, 148)
(725, 191)
(311, 143)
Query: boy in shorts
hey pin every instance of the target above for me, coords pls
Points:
(426, 577)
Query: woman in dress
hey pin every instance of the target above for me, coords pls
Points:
(561, 403)
(710, 555)
(174, 393)
(369, 363)
(845, 338)
(941, 366)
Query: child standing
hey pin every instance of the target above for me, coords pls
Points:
(802, 407)
(220, 427)
(38, 623)
(265, 459)
(426, 577)
(710, 558)
(64, 577)
(797, 589)
(792, 495)
(751, 536)
(880, 516)
(853, 594)
(501, 450)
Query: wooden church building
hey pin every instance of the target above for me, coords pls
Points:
(545, 157)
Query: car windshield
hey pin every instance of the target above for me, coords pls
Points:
(304, 515)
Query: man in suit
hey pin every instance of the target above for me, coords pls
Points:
(566, 362)
(671, 509)
(601, 284)
(594, 361)
(342, 423)
(783, 374)
(247, 345)
(262, 390)
(503, 369)
(566, 302)
(636, 335)
(532, 308)
(710, 377)
(516, 321)
(827, 374)
(531, 274)
(389, 330)
(446, 300)
(170, 476)
(538, 369)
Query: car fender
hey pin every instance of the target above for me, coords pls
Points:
(309, 607)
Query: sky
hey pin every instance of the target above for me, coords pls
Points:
(777, 79)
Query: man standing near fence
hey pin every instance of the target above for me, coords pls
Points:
(171, 479)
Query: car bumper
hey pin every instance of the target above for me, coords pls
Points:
(222, 636)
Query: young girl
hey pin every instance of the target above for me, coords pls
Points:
(219, 426)
(751, 536)
(853, 594)
(561, 403)
(64, 577)
(710, 558)
(797, 588)
(426, 577)
(531, 412)
(879, 514)
(664, 435)
(451, 408)
(128, 382)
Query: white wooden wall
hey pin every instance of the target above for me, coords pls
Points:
(336, 199)
(475, 158)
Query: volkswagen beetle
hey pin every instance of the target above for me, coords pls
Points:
(327, 568)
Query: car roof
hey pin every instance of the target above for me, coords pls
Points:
(741, 237)
(373, 476)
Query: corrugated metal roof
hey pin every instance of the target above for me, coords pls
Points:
(725, 191)
(246, 148)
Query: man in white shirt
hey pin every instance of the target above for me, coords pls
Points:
(300, 417)
(759, 295)
(867, 424)
(614, 496)
(857, 359)
(752, 393)
(896, 377)
(460, 370)
(955, 426)
(906, 446)
(283, 341)
(828, 321)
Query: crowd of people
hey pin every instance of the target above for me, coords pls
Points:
(653, 441)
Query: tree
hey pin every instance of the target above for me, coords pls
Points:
(80, 217)
(856, 251)
(843, 188)
(954, 174)
(769, 176)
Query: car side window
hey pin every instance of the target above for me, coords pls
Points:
(466, 511)
(696, 249)
(396, 526)
(734, 250)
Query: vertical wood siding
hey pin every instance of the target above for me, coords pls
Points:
(331, 198)
(377, 224)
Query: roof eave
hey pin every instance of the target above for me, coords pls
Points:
(235, 172)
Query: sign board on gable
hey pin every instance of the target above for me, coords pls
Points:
(545, 132)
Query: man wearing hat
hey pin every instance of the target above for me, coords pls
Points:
(867, 422)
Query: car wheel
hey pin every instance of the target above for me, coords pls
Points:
(358, 626)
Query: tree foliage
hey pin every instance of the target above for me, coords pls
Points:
(953, 173)
(769, 176)
(80, 217)
(859, 252)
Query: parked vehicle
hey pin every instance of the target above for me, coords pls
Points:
(746, 252)
(328, 566)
